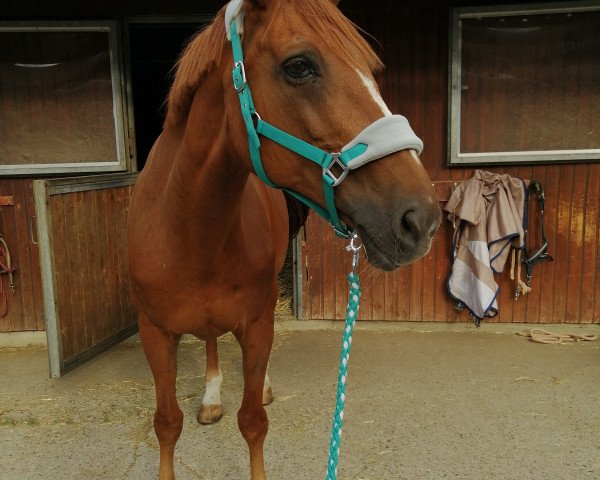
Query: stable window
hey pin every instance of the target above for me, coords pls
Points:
(525, 84)
(60, 99)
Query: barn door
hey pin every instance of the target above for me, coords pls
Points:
(81, 225)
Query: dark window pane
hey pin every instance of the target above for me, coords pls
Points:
(530, 83)
(56, 98)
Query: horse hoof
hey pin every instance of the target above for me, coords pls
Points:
(267, 396)
(209, 414)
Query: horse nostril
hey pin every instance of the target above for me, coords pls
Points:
(417, 222)
(410, 223)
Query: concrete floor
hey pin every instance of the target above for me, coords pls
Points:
(447, 404)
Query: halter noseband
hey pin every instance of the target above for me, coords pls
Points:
(383, 137)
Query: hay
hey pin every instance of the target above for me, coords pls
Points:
(285, 280)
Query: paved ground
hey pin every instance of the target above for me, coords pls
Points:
(437, 405)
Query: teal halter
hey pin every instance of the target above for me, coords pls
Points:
(256, 125)
(384, 136)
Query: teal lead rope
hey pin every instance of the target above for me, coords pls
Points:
(351, 314)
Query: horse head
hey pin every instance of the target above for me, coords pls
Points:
(311, 75)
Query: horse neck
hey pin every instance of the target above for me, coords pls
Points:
(207, 181)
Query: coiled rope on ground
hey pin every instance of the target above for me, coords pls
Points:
(542, 336)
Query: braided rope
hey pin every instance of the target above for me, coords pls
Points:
(338, 416)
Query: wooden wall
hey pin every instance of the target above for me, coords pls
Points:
(415, 49)
(413, 38)
(25, 306)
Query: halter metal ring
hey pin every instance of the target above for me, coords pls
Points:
(355, 243)
(335, 160)
(255, 118)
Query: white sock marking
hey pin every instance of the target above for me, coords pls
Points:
(212, 392)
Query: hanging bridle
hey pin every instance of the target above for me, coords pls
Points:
(384, 136)
(530, 259)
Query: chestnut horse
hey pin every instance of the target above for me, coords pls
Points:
(207, 238)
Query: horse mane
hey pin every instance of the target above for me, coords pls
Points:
(297, 214)
(200, 55)
(206, 48)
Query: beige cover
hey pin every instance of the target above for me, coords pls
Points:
(487, 212)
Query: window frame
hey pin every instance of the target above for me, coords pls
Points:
(122, 140)
(455, 156)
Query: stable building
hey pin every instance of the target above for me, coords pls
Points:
(508, 89)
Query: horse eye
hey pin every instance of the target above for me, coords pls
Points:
(298, 68)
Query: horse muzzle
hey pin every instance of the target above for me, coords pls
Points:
(397, 236)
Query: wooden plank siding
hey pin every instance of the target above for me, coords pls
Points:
(415, 46)
(95, 301)
(413, 38)
(25, 306)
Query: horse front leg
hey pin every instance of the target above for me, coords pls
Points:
(211, 410)
(160, 348)
(252, 417)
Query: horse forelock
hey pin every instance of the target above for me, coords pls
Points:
(205, 49)
(333, 29)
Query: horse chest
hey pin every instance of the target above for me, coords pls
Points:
(211, 305)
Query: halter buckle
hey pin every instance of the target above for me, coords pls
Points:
(335, 160)
(239, 73)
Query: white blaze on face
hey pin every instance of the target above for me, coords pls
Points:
(372, 89)
(212, 393)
